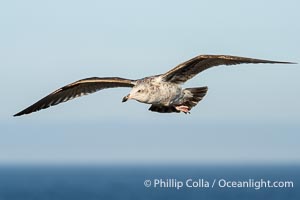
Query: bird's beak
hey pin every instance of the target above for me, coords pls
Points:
(126, 98)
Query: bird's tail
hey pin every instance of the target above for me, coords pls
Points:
(197, 95)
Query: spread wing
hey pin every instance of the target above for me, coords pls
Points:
(77, 89)
(192, 67)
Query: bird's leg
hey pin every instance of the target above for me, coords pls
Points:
(184, 109)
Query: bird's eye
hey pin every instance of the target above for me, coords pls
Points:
(139, 91)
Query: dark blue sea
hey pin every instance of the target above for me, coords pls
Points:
(163, 182)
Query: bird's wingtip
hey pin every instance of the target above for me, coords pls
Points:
(19, 114)
(289, 62)
(283, 62)
(16, 115)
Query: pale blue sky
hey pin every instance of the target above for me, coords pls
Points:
(251, 112)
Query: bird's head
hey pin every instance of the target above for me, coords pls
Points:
(139, 93)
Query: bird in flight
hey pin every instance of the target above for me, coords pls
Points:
(164, 91)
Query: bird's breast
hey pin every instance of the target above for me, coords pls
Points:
(163, 93)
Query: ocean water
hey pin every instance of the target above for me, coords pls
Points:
(163, 182)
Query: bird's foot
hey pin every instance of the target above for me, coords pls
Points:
(184, 109)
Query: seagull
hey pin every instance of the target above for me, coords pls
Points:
(164, 91)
